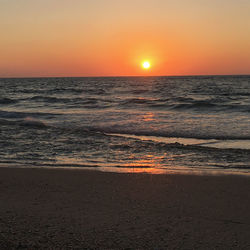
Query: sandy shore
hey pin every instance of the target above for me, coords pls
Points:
(42, 208)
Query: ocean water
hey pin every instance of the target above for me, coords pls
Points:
(127, 124)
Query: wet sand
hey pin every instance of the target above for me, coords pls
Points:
(45, 208)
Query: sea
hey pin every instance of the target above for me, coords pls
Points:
(189, 124)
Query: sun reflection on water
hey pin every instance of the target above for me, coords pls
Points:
(149, 116)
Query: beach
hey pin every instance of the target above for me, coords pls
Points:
(124, 125)
(71, 208)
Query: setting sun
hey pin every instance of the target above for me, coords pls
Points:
(146, 65)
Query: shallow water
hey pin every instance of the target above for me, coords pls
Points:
(127, 124)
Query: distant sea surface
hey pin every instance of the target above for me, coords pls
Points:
(127, 124)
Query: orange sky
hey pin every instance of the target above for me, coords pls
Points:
(112, 38)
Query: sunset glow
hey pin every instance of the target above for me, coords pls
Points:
(111, 38)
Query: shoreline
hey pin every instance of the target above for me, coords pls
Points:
(137, 170)
(57, 208)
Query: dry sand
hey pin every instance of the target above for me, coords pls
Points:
(50, 209)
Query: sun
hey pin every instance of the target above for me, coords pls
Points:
(146, 65)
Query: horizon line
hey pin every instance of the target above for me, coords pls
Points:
(110, 76)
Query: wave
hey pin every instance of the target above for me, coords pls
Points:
(115, 167)
(207, 106)
(52, 99)
(182, 104)
(72, 102)
(196, 105)
(171, 103)
(131, 101)
(166, 134)
(33, 123)
(38, 120)
(7, 101)
(20, 114)
(26, 122)
(51, 91)
(49, 99)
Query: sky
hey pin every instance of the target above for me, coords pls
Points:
(113, 37)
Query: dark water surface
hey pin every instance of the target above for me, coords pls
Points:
(127, 124)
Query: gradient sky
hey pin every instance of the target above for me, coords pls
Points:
(113, 37)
